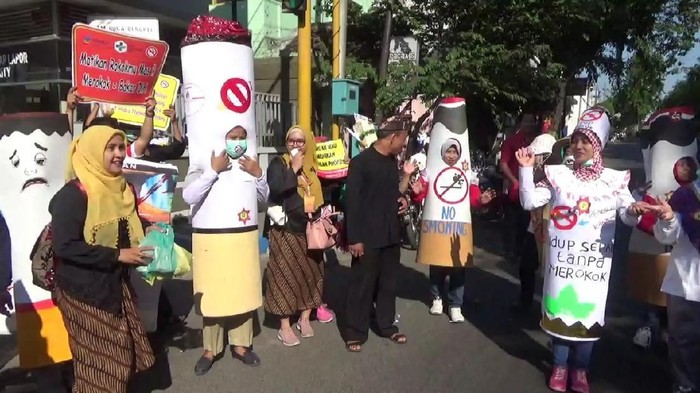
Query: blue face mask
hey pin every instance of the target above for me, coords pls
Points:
(587, 163)
(236, 148)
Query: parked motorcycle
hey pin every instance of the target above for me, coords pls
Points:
(411, 225)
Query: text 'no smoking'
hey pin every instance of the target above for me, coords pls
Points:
(236, 95)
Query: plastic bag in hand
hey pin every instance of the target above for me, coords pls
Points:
(164, 260)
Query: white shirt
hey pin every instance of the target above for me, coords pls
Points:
(683, 273)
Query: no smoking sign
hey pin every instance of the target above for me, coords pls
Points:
(563, 218)
(236, 95)
(451, 186)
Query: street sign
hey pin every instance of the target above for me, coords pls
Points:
(404, 48)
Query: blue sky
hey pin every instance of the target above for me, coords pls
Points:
(688, 60)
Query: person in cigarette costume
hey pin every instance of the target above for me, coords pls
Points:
(669, 147)
(450, 190)
(584, 204)
(223, 186)
(226, 280)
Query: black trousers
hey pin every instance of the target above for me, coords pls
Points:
(684, 342)
(375, 272)
(525, 249)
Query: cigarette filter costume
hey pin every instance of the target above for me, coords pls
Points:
(217, 68)
(667, 136)
(584, 203)
(34, 148)
(446, 228)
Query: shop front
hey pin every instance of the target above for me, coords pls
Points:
(35, 50)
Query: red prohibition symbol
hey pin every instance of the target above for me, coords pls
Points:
(563, 218)
(451, 186)
(236, 95)
(592, 115)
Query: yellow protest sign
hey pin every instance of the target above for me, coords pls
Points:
(331, 160)
(165, 93)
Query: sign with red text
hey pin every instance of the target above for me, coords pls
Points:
(115, 68)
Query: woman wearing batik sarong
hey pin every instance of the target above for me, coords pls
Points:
(96, 232)
(294, 274)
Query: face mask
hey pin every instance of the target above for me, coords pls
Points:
(587, 163)
(236, 149)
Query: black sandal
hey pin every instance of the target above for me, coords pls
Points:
(353, 346)
(399, 338)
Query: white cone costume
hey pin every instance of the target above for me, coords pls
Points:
(446, 227)
(34, 147)
(667, 136)
(218, 89)
(581, 234)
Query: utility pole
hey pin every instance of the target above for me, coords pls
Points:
(305, 60)
(384, 59)
(336, 60)
(340, 19)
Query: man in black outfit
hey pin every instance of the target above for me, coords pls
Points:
(373, 207)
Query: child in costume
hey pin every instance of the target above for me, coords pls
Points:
(584, 203)
(438, 274)
(678, 225)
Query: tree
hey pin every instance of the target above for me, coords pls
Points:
(639, 86)
(686, 91)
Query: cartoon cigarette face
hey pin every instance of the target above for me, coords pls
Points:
(33, 152)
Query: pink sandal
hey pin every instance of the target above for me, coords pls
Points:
(288, 338)
(304, 327)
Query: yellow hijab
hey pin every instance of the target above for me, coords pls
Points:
(309, 167)
(110, 199)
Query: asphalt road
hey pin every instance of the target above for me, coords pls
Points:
(494, 351)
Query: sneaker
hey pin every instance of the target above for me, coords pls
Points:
(558, 379)
(580, 382)
(436, 308)
(643, 337)
(456, 315)
(324, 315)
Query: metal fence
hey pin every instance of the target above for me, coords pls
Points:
(272, 118)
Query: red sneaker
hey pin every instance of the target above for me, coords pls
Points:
(558, 379)
(580, 382)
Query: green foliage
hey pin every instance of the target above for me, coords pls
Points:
(685, 92)
(640, 84)
(484, 51)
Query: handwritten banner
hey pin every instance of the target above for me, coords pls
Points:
(115, 68)
(165, 93)
(331, 160)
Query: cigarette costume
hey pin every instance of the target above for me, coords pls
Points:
(446, 227)
(667, 136)
(34, 147)
(218, 78)
(581, 233)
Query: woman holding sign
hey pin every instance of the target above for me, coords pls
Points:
(584, 203)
